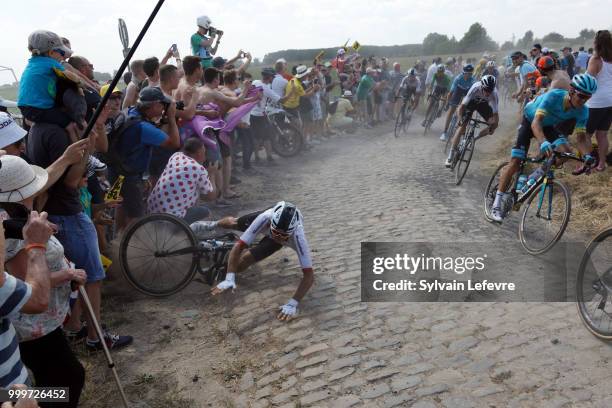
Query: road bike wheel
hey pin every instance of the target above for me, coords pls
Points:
(594, 286)
(465, 158)
(491, 190)
(141, 255)
(540, 232)
(450, 133)
(407, 119)
(432, 116)
(399, 121)
(288, 142)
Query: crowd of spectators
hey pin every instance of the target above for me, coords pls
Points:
(169, 139)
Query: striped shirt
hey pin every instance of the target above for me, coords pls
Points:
(13, 295)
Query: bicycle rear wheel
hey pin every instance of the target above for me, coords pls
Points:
(288, 142)
(545, 217)
(594, 286)
(143, 260)
(492, 187)
(465, 158)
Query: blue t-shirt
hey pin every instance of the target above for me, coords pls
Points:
(526, 68)
(463, 84)
(550, 105)
(13, 295)
(38, 85)
(137, 143)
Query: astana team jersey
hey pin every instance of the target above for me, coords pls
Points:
(551, 106)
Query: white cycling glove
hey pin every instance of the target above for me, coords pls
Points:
(229, 282)
(290, 309)
(200, 228)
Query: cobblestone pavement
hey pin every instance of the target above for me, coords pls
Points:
(342, 352)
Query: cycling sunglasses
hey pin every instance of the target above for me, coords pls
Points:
(582, 96)
(278, 235)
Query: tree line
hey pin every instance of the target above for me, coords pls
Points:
(476, 39)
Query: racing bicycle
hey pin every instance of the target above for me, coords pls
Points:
(287, 140)
(160, 255)
(452, 127)
(402, 121)
(436, 110)
(547, 203)
(594, 285)
(465, 149)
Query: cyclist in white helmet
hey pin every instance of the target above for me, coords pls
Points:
(280, 226)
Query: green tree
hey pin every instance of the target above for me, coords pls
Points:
(526, 41)
(507, 46)
(553, 38)
(434, 42)
(477, 39)
(586, 34)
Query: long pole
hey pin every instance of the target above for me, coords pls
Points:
(119, 73)
(111, 364)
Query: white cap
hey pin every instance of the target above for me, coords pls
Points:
(284, 61)
(347, 94)
(19, 180)
(204, 21)
(10, 132)
(341, 51)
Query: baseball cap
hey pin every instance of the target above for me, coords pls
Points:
(516, 54)
(41, 41)
(19, 180)
(153, 94)
(218, 62)
(7, 103)
(104, 90)
(10, 132)
(545, 50)
(347, 94)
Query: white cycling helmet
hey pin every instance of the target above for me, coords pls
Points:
(440, 68)
(204, 22)
(285, 217)
(491, 64)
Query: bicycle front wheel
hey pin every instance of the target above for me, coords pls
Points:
(594, 286)
(149, 259)
(450, 133)
(545, 217)
(399, 121)
(288, 142)
(432, 116)
(465, 158)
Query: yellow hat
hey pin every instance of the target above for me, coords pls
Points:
(104, 90)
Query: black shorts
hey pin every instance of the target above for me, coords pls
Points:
(97, 194)
(261, 128)
(264, 248)
(440, 91)
(132, 192)
(525, 134)
(479, 105)
(599, 119)
(225, 150)
(457, 96)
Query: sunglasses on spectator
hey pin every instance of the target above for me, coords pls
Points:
(60, 52)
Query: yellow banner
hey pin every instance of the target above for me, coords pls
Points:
(115, 191)
(356, 46)
(319, 55)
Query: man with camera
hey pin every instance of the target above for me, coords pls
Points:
(202, 41)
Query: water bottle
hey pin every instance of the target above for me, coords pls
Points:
(533, 177)
(521, 183)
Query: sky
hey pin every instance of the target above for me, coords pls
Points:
(266, 26)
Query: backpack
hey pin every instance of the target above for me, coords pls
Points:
(114, 157)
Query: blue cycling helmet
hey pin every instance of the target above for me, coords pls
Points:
(584, 83)
(468, 68)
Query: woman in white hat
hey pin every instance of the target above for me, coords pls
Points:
(44, 349)
(339, 119)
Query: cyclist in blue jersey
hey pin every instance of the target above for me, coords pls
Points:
(460, 87)
(542, 119)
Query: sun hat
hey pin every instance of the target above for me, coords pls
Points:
(19, 180)
(42, 41)
(10, 132)
(302, 71)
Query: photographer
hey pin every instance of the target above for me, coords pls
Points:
(202, 41)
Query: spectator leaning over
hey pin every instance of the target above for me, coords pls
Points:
(44, 349)
(366, 84)
(202, 41)
(182, 182)
(133, 88)
(38, 85)
(134, 147)
(30, 295)
(279, 83)
(524, 68)
(600, 104)
(340, 118)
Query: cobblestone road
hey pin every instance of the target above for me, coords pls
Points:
(342, 352)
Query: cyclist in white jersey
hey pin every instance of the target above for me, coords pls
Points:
(280, 226)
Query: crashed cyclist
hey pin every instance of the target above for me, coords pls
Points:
(281, 225)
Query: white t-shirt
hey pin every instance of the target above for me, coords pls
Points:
(298, 242)
(278, 84)
(269, 99)
(179, 186)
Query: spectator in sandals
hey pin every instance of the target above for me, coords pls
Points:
(133, 88)
(44, 349)
(182, 182)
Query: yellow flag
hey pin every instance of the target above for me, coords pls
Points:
(115, 191)
(356, 46)
(319, 55)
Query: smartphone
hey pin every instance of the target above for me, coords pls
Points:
(174, 48)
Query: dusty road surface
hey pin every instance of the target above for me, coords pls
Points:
(192, 350)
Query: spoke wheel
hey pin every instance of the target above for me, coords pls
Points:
(141, 255)
(594, 286)
(540, 230)
(288, 142)
(450, 134)
(399, 121)
(463, 162)
(492, 187)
